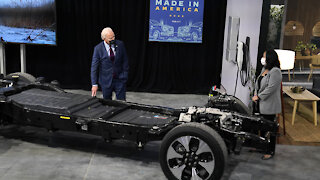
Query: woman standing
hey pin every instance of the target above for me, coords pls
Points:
(267, 93)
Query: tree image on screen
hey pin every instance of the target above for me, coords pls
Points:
(28, 21)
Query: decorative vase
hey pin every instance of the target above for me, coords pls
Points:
(305, 52)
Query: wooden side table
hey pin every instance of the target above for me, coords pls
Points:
(303, 58)
(304, 96)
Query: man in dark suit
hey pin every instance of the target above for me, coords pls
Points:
(109, 67)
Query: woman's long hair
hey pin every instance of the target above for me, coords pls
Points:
(272, 59)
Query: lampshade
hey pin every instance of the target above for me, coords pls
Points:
(316, 29)
(293, 28)
(286, 58)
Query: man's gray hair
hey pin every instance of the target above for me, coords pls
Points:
(105, 31)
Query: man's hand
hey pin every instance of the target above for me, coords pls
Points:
(255, 98)
(94, 90)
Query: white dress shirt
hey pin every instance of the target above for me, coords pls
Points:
(107, 46)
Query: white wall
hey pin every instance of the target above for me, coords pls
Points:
(249, 12)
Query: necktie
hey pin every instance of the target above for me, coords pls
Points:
(112, 60)
(111, 55)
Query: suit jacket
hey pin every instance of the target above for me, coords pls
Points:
(269, 92)
(102, 68)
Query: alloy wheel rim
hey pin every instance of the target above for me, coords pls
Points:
(155, 35)
(189, 157)
(194, 36)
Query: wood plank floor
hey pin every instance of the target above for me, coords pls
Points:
(303, 132)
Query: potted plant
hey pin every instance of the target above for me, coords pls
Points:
(305, 49)
(300, 48)
(312, 47)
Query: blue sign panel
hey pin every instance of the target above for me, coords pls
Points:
(176, 20)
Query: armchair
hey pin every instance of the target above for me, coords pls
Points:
(315, 64)
(316, 88)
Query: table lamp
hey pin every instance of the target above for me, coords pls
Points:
(286, 58)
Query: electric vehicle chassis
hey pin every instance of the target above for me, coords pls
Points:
(195, 140)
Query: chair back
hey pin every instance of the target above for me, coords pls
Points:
(316, 83)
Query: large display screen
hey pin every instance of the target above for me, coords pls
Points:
(28, 21)
(176, 20)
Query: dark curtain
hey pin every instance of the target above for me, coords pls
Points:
(154, 67)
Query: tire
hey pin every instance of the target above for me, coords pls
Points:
(23, 77)
(179, 161)
(194, 36)
(156, 34)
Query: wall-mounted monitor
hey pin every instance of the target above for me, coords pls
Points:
(28, 21)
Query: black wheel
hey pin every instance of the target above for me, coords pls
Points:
(193, 151)
(23, 77)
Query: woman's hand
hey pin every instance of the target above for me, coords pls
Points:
(255, 98)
